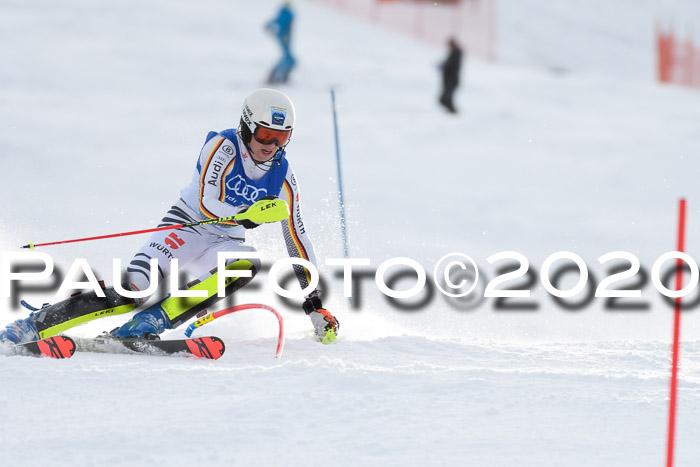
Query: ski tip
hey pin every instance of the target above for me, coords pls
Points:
(207, 347)
(329, 338)
(57, 347)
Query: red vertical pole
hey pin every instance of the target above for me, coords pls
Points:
(457, 22)
(697, 67)
(686, 60)
(417, 21)
(493, 33)
(676, 339)
(690, 61)
(664, 50)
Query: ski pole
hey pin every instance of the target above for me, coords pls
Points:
(261, 212)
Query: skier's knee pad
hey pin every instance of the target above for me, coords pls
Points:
(79, 309)
(181, 309)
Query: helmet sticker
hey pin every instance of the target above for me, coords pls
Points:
(278, 115)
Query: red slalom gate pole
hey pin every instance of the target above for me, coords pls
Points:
(676, 339)
(218, 314)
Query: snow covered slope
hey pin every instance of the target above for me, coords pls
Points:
(104, 106)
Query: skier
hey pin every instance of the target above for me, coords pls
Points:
(281, 28)
(450, 69)
(236, 169)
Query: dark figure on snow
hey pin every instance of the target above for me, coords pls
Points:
(450, 75)
(281, 28)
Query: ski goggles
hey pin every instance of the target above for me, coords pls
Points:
(267, 136)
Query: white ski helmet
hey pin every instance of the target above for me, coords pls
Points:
(268, 115)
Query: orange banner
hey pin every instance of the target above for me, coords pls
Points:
(678, 60)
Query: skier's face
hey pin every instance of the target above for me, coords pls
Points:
(262, 152)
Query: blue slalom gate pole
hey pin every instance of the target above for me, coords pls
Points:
(343, 222)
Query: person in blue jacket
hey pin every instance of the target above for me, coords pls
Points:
(281, 28)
